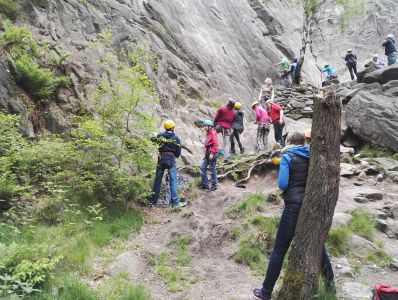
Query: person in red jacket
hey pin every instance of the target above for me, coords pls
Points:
(275, 112)
(210, 159)
(225, 116)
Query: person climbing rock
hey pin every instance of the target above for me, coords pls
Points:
(285, 64)
(297, 71)
(375, 62)
(210, 159)
(390, 50)
(262, 120)
(292, 180)
(169, 149)
(351, 63)
(267, 92)
(275, 113)
(330, 76)
(293, 67)
(223, 120)
(237, 127)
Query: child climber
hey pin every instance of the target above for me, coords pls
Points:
(262, 121)
(210, 159)
(237, 127)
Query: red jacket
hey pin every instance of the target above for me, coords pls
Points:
(211, 142)
(225, 116)
(274, 113)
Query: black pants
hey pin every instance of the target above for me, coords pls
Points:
(278, 128)
(353, 70)
(235, 135)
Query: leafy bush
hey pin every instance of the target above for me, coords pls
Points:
(9, 8)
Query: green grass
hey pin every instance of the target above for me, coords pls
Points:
(323, 293)
(9, 8)
(379, 257)
(252, 203)
(363, 224)
(373, 151)
(337, 241)
(181, 251)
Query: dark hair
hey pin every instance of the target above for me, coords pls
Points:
(231, 104)
(296, 138)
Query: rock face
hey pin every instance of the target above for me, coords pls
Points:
(373, 118)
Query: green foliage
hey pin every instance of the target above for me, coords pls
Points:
(372, 151)
(337, 241)
(252, 203)
(363, 224)
(181, 249)
(120, 288)
(379, 257)
(41, 3)
(9, 8)
(324, 293)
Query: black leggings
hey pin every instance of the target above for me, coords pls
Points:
(278, 128)
(353, 70)
(235, 134)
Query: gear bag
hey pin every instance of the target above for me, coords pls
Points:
(384, 292)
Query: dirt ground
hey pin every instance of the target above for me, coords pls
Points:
(219, 276)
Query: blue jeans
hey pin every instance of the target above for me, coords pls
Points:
(171, 169)
(212, 164)
(284, 237)
(392, 58)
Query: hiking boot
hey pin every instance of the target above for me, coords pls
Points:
(242, 150)
(179, 205)
(257, 294)
(213, 188)
(203, 187)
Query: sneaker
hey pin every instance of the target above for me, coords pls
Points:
(203, 187)
(213, 188)
(152, 205)
(257, 294)
(242, 150)
(179, 205)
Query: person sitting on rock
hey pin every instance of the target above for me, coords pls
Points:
(210, 159)
(237, 127)
(267, 92)
(390, 50)
(293, 173)
(351, 62)
(169, 149)
(275, 113)
(375, 62)
(223, 120)
(263, 127)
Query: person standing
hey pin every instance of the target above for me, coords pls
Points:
(237, 127)
(267, 92)
(210, 159)
(390, 50)
(297, 71)
(224, 118)
(285, 64)
(293, 68)
(169, 149)
(275, 112)
(351, 62)
(262, 121)
(292, 180)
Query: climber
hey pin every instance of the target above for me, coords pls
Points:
(267, 92)
(169, 149)
(285, 64)
(292, 180)
(390, 50)
(275, 113)
(223, 120)
(293, 67)
(263, 127)
(237, 127)
(351, 62)
(376, 62)
(297, 71)
(330, 77)
(210, 159)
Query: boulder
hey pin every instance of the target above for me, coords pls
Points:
(341, 219)
(373, 119)
(126, 262)
(361, 245)
(355, 291)
(389, 164)
(347, 169)
(343, 267)
(371, 196)
(381, 76)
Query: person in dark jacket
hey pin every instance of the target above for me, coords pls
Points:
(293, 67)
(390, 50)
(351, 62)
(237, 127)
(169, 149)
(223, 120)
(293, 175)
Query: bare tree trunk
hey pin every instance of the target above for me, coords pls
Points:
(316, 214)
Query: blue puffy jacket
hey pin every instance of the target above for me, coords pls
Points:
(389, 46)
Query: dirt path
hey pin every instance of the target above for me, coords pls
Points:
(219, 277)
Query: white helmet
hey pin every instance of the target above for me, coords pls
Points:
(375, 55)
(390, 35)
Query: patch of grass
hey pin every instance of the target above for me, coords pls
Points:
(187, 213)
(252, 203)
(236, 232)
(9, 8)
(363, 224)
(274, 197)
(120, 288)
(323, 293)
(181, 250)
(337, 241)
(379, 257)
(373, 151)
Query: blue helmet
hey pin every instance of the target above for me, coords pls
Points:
(207, 123)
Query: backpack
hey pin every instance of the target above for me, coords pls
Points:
(384, 292)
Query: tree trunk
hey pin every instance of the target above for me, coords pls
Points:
(316, 214)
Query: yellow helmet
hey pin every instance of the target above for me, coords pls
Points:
(255, 103)
(169, 124)
(238, 105)
(276, 161)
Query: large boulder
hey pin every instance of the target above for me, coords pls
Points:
(381, 76)
(373, 117)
